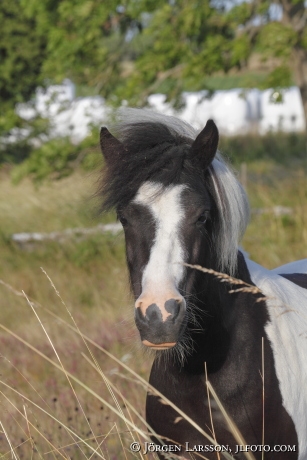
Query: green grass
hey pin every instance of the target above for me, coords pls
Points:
(91, 278)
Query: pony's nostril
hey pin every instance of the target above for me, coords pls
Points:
(138, 304)
(174, 307)
(139, 316)
(176, 310)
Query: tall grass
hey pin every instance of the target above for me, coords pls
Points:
(129, 423)
(53, 402)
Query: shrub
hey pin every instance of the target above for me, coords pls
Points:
(58, 158)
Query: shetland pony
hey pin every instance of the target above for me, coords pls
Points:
(179, 202)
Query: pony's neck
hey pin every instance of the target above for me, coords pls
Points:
(225, 318)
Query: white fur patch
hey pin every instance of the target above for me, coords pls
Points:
(287, 332)
(164, 267)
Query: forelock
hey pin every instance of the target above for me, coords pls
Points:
(152, 151)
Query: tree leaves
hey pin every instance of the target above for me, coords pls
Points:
(276, 39)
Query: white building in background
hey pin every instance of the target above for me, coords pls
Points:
(235, 111)
(227, 108)
(79, 117)
(287, 116)
(239, 111)
(50, 101)
(68, 116)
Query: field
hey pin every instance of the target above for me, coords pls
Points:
(50, 368)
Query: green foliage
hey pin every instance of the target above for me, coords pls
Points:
(16, 150)
(280, 77)
(58, 158)
(52, 157)
(280, 37)
(22, 50)
(85, 40)
(241, 13)
(184, 40)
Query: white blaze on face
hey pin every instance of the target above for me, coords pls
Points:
(164, 270)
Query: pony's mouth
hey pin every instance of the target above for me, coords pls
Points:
(159, 346)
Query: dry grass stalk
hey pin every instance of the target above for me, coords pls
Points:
(232, 426)
(9, 442)
(28, 427)
(113, 389)
(97, 367)
(61, 364)
(10, 288)
(262, 377)
(120, 440)
(162, 401)
(247, 287)
(104, 436)
(209, 405)
(72, 377)
(28, 421)
(231, 280)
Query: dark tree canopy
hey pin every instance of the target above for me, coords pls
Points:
(22, 53)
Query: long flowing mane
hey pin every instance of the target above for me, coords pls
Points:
(155, 147)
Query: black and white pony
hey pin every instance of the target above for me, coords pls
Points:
(179, 202)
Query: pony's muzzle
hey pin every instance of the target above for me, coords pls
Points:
(160, 322)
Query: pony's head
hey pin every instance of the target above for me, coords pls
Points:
(178, 203)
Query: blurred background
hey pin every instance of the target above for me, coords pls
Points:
(65, 67)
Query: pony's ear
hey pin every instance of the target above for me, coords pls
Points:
(110, 146)
(205, 145)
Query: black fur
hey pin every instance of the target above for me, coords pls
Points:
(297, 278)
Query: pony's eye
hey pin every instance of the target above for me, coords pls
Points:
(122, 220)
(203, 218)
